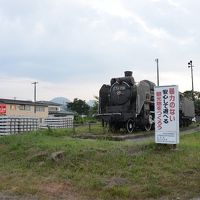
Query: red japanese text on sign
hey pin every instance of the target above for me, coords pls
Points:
(172, 104)
(159, 110)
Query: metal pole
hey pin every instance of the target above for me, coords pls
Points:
(34, 83)
(191, 66)
(192, 83)
(157, 71)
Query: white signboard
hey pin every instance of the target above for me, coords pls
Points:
(166, 114)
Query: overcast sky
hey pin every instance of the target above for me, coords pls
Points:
(72, 47)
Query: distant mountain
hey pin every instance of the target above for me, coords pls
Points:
(64, 101)
(61, 100)
(90, 103)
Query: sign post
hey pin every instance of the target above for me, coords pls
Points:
(166, 114)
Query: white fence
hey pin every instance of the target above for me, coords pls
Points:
(14, 125)
(58, 122)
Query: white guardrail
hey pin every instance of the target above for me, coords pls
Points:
(13, 125)
(58, 122)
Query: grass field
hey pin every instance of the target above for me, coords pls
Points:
(98, 169)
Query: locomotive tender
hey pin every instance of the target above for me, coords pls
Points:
(125, 104)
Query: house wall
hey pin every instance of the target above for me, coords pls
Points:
(26, 110)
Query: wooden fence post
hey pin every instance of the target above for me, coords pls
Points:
(89, 127)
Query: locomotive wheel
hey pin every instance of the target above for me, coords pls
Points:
(130, 126)
(149, 124)
(147, 127)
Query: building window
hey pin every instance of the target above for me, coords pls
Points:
(24, 107)
(40, 109)
(53, 109)
(12, 107)
(21, 107)
(27, 107)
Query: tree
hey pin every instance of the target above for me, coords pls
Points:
(79, 106)
(188, 94)
(94, 108)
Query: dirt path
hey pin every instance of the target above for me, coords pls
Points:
(9, 196)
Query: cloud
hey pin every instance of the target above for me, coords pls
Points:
(83, 43)
(46, 90)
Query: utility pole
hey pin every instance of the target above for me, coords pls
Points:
(191, 66)
(35, 83)
(157, 71)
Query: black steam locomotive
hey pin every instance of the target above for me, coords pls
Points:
(125, 104)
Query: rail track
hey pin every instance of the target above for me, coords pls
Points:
(139, 136)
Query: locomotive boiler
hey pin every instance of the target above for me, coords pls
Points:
(125, 104)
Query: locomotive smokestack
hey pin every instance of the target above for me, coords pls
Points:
(128, 73)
